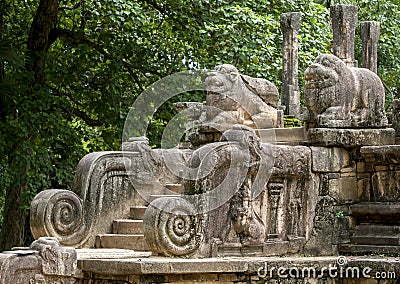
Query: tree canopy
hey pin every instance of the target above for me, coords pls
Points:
(70, 70)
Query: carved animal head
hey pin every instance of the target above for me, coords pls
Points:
(222, 79)
(324, 72)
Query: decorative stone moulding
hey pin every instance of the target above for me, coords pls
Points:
(45, 261)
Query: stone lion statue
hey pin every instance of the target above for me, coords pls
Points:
(339, 96)
(240, 99)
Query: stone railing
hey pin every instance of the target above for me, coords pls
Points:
(101, 192)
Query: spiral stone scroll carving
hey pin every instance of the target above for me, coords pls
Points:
(57, 213)
(170, 227)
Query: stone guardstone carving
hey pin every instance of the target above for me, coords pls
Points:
(338, 96)
(171, 227)
(45, 262)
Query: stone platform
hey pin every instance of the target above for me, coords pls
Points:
(124, 266)
(351, 137)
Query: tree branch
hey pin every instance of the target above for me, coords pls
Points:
(76, 6)
(38, 40)
(70, 110)
(89, 121)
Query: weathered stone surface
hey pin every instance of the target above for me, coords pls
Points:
(110, 254)
(291, 160)
(105, 186)
(322, 231)
(290, 25)
(284, 136)
(177, 270)
(396, 117)
(326, 160)
(389, 154)
(238, 99)
(171, 227)
(122, 241)
(376, 228)
(344, 190)
(382, 165)
(44, 262)
(74, 218)
(338, 96)
(370, 32)
(351, 137)
(344, 20)
(128, 226)
(386, 186)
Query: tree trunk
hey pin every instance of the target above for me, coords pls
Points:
(2, 71)
(13, 227)
(38, 41)
(12, 233)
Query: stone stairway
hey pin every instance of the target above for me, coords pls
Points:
(128, 233)
(377, 229)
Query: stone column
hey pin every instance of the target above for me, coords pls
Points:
(370, 32)
(290, 25)
(344, 20)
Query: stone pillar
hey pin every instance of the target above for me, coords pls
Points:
(344, 20)
(370, 32)
(290, 25)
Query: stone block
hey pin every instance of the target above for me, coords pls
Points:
(324, 186)
(344, 190)
(327, 160)
(228, 277)
(386, 186)
(286, 136)
(127, 226)
(351, 137)
(364, 187)
(360, 167)
(45, 261)
(388, 154)
(134, 242)
(200, 277)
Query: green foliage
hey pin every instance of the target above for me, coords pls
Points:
(339, 214)
(292, 122)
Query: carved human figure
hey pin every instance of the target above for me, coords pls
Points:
(246, 222)
(338, 96)
(240, 99)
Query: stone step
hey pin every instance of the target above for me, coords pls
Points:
(376, 229)
(174, 187)
(376, 212)
(155, 196)
(375, 240)
(137, 212)
(128, 226)
(132, 242)
(368, 249)
(284, 136)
